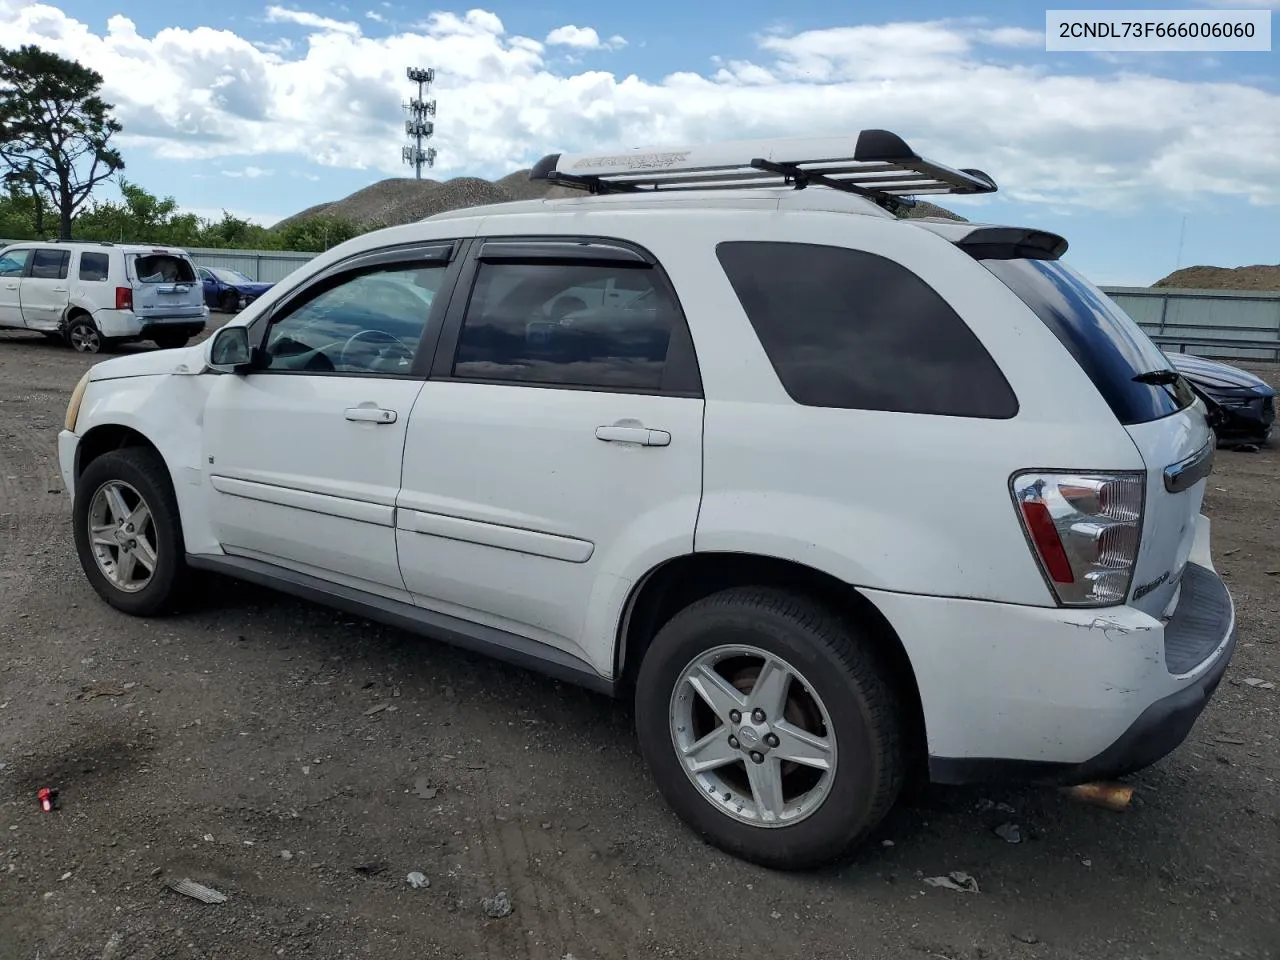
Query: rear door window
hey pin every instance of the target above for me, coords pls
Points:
(854, 330)
(1109, 346)
(49, 264)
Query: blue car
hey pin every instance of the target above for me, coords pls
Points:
(229, 290)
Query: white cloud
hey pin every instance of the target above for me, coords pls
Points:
(250, 172)
(215, 214)
(375, 16)
(583, 38)
(1123, 136)
(1012, 37)
(312, 20)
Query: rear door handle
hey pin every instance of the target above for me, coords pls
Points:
(370, 415)
(644, 436)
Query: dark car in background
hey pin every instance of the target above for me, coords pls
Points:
(1241, 405)
(230, 290)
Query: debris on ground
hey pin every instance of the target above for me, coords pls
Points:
(370, 869)
(417, 880)
(286, 855)
(1025, 937)
(376, 708)
(1238, 741)
(1259, 683)
(1112, 796)
(115, 943)
(196, 891)
(1009, 832)
(985, 805)
(90, 692)
(956, 880)
(423, 788)
(47, 797)
(497, 906)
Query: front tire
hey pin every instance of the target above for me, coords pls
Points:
(231, 302)
(128, 532)
(770, 727)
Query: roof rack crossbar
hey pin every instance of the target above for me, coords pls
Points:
(878, 166)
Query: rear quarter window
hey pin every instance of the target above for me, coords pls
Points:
(854, 330)
(163, 268)
(1104, 340)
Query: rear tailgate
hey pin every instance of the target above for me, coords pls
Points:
(1156, 406)
(165, 285)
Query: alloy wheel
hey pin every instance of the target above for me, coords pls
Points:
(753, 735)
(122, 536)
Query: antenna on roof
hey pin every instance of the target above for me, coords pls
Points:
(877, 165)
(418, 126)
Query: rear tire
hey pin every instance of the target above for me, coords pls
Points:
(83, 335)
(171, 341)
(820, 814)
(112, 491)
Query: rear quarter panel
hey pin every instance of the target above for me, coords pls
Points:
(892, 501)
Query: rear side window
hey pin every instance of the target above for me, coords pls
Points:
(850, 329)
(94, 266)
(49, 264)
(163, 268)
(1105, 341)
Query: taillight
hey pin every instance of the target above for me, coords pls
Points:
(124, 298)
(1085, 530)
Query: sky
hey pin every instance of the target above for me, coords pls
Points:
(1143, 161)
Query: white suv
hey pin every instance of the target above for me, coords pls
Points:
(840, 498)
(91, 295)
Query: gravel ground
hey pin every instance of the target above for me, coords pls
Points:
(304, 763)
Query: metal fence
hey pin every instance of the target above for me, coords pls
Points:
(1230, 324)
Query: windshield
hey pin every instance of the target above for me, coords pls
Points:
(230, 276)
(1109, 346)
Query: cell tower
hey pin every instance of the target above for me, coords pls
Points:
(418, 126)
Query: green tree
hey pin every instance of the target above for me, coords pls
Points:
(55, 129)
(140, 217)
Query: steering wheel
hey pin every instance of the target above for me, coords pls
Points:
(397, 345)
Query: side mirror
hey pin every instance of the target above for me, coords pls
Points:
(230, 351)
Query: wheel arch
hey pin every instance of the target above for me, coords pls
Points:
(106, 437)
(679, 581)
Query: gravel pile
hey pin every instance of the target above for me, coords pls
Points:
(404, 200)
(1260, 276)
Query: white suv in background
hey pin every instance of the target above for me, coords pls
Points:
(839, 498)
(91, 295)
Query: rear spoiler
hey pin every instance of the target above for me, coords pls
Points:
(997, 243)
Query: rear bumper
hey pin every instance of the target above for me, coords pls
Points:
(124, 324)
(1054, 695)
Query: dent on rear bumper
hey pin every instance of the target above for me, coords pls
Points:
(1004, 685)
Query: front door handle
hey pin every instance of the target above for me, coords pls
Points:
(59, 289)
(370, 415)
(646, 437)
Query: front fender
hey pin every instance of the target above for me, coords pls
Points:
(168, 410)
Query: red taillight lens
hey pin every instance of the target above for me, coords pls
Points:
(124, 298)
(1085, 530)
(1047, 542)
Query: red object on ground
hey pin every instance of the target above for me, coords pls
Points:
(46, 798)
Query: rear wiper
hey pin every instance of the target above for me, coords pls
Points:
(1158, 378)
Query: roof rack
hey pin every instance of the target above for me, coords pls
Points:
(878, 165)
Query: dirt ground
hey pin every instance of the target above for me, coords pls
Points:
(304, 763)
